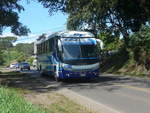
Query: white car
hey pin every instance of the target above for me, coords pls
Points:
(12, 66)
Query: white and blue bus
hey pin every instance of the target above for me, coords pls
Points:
(69, 54)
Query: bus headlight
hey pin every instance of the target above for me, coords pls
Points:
(66, 66)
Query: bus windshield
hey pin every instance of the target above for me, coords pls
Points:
(80, 52)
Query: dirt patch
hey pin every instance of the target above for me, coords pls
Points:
(55, 102)
(41, 99)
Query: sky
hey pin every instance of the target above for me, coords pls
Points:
(38, 20)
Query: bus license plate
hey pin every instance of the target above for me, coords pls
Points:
(82, 75)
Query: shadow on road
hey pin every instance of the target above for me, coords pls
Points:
(32, 81)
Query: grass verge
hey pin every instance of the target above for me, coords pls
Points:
(11, 102)
(64, 105)
(16, 97)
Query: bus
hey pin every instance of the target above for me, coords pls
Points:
(69, 54)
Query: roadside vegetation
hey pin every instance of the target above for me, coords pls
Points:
(12, 102)
(134, 60)
(10, 53)
(18, 94)
(123, 25)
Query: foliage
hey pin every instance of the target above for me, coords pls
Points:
(54, 5)
(9, 10)
(30, 60)
(18, 53)
(137, 56)
(1, 58)
(139, 45)
(111, 42)
(6, 42)
(9, 56)
(120, 17)
(11, 102)
(25, 48)
(5, 45)
(116, 16)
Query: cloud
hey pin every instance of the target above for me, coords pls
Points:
(9, 34)
(25, 39)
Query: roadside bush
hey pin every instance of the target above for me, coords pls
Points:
(114, 62)
(1, 58)
(30, 60)
(139, 45)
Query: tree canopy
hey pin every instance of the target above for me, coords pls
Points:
(6, 42)
(9, 10)
(120, 17)
(117, 16)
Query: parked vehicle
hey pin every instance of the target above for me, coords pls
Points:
(14, 65)
(17, 65)
(24, 65)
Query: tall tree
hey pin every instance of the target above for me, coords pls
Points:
(25, 48)
(9, 10)
(120, 17)
(7, 42)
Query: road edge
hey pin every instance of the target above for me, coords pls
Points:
(87, 102)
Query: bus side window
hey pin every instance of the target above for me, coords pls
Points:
(50, 45)
(37, 49)
(45, 47)
(41, 48)
(59, 52)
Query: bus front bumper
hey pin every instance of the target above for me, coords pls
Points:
(84, 74)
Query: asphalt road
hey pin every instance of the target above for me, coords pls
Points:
(124, 94)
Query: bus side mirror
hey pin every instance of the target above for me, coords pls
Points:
(100, 43)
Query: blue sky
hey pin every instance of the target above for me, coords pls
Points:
(38, 20)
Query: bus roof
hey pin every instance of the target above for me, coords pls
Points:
(74, 34)
(67, 34)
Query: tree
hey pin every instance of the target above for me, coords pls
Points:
(120, 17)
(7, 42)
(139, 45)
(1, 58)
(27, 49)
(111, 42)
(9, 10)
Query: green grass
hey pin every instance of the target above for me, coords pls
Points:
(11, 102)
(14, 99)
